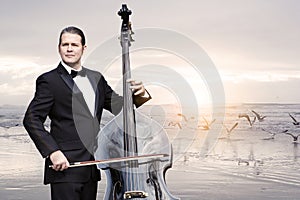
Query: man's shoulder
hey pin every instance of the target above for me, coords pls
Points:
(94, 73)
(49, 73)
(88, 70)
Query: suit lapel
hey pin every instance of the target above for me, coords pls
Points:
(67, 79)
(77, 94)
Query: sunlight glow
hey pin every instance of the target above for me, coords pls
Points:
(263, 76)
(148, 58)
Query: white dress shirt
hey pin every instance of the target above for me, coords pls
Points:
(85, 86)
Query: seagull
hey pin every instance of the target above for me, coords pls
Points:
(295, 137)
(254, 119)
(174, 124)
(231, 129)
(296, 123)
(258, 116)
(248, 118)
(183, 116)
(207, 126)
(272, 133)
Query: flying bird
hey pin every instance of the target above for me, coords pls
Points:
(248, 118)
(273, 133)
(295, 137)
(259, 117)
(175, 124)
(183, 116)
(295, 122)
(208, 124)
(231, 129)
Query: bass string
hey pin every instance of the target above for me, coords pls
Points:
(130, 140)
(129, 131)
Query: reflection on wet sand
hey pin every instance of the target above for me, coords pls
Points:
(243, 166)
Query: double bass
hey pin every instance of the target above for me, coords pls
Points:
(133, 135)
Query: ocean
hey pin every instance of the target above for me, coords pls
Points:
(257, 161)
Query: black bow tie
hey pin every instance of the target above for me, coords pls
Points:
(78, 73)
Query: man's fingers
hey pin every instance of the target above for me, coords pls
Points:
(64, 166)
(137, 87)
(139, 92)
(59, 161)
(134, 82)
(61, 167)
(130, 80)
(56, 167)
(137, 83)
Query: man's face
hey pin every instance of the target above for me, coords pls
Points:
(71, 49)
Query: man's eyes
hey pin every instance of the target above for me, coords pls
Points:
(73, 44)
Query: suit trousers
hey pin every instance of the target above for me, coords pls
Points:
(74, 191)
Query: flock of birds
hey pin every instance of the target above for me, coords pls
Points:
(208, 124)
(261, 118)
(250, 119)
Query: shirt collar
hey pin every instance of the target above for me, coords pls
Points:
(68, 68)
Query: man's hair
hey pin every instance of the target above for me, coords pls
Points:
(73, 30)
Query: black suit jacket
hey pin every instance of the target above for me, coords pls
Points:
(73, 128)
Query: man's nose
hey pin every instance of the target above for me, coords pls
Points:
(70, 48)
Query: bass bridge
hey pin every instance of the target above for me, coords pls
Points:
(135, 194)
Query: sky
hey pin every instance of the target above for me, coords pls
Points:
(253, 46)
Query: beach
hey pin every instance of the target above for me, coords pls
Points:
(248, 165)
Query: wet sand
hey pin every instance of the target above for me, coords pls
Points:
(205, 185)
(21, 177)
(273, 171)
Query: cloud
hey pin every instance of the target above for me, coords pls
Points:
(249, 41)
(18, 75)
(17, 67)
(260, 76)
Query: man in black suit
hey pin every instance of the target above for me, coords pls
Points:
(73, 97)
